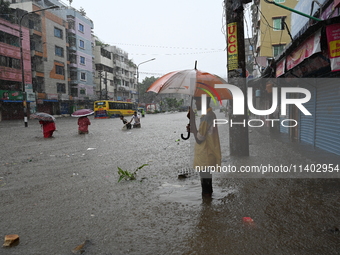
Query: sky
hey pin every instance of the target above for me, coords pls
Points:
(177, 33)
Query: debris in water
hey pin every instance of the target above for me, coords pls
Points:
(186, 172)
(11, 240)
(80, 249)
(248, 220)
(335, 230)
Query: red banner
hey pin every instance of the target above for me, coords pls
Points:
(280, 67)
(305, 50)
(333, 39)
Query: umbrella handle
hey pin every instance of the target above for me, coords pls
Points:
(185, 138)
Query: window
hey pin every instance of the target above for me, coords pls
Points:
(277, 49)
(10, 62)
(59, 70)
(82, 92)
(9, 39)
(81, 44)
(82, 60)
(278, 24)
(59, 51)
(83, 76)
(81, 28)
(58, 33)
(61, 88)
(74, 92)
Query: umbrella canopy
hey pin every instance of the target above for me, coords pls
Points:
(191, 82)
(42, 116)
(82, 113)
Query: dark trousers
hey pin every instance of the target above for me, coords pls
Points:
(206, 184)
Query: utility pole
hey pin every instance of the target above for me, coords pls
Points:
(238, 131)
(100, 84)
(105, 82)
(23, 84)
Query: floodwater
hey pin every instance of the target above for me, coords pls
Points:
(56, 193)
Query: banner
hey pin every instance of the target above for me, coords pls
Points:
(333, 39)
(305, 50)
(10, 95)
(232, 54)
(280, 67)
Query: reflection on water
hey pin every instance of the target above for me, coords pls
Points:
(188, 193)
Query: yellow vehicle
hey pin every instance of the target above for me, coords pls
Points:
(105, 109)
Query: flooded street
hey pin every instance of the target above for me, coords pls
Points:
(56, 193)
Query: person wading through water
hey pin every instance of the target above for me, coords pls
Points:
(207, 148)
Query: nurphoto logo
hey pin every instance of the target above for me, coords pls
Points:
(238, 105)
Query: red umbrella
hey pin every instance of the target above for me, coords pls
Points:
(82, 113)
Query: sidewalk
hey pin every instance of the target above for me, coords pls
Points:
(271, 148)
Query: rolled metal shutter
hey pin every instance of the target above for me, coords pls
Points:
(284, 129)
(307, 122)
(327, 135)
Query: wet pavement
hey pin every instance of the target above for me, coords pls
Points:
(56, 193)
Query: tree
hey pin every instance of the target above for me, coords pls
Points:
(82, 11)
(5, 11)
(173, 103)
(145, 97)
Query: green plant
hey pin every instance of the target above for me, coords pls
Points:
(128, 175)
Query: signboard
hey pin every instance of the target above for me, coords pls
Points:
(10, 95)
(333, 40)
(30, 96)
(305, 50)
(280, 67)
(52, 96)
(232, 46)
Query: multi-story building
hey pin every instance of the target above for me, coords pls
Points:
(62, 56)
(271, 26)
(11, 95)
(81, 58)
(125, 81)
(310, 62)
(115, 74)
(48, 43)
(104, 77)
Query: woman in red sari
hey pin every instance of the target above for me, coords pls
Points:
(83, 123)
(48, 128)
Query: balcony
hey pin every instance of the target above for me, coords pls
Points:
(36, 53)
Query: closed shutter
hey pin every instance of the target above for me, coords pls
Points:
(284, 129)
(307, 127)
(328, 115)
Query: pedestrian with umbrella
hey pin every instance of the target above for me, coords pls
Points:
(207, 147)
(47, 123)
(83, 120)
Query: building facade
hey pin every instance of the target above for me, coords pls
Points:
(311, 62)
(61, 52)
(11, 95)
(81, 58)
(271, 28)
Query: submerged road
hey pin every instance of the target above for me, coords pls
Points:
(56, 193)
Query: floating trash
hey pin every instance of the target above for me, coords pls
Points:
(186, 173)
(247, 219)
